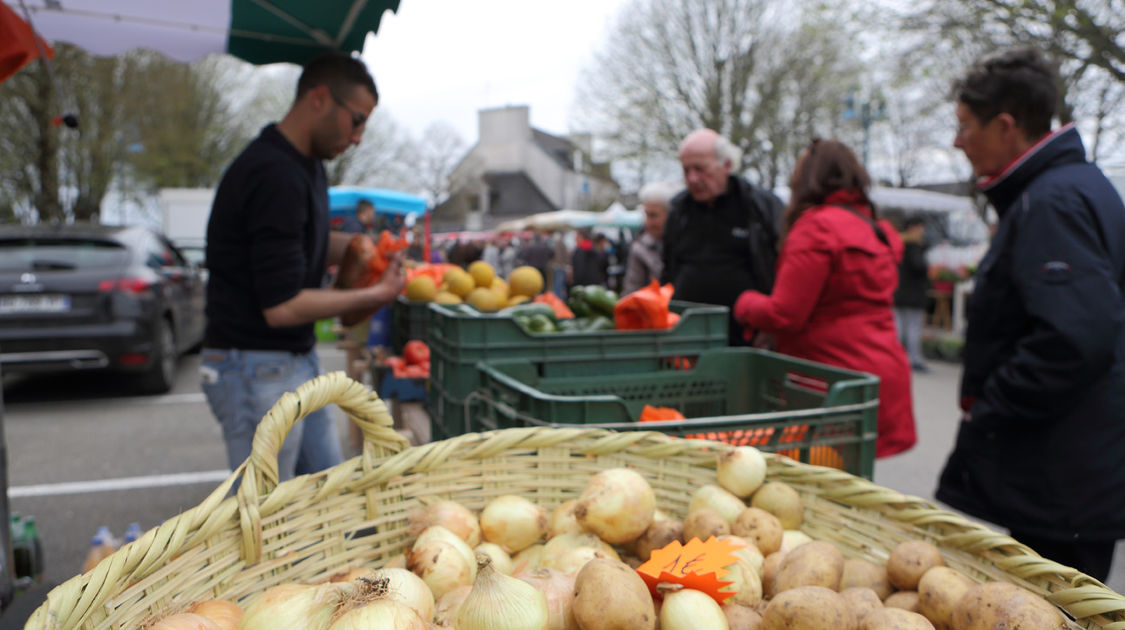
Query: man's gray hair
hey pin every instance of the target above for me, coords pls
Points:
(658, 192)
(726, 151)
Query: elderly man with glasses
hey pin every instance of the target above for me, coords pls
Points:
(268, 245)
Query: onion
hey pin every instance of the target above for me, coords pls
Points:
(560, 545)
(406, 588)
(530, 558)
(558, 588)
(715, 498)
(295, 606)
(350, 575)
(617, 505)
(225, 614)
(446, 608)
(185, 621)
(572, 560)
(500, 558)
(563, 520)
(793, 538)
(381, 613)
(437, 532)
(749, 552)
(689, 609)
(450, 515)
(440, 566)
(513, 522)
(501, 602)
(397, 562)
(741, 470)
(744, 583)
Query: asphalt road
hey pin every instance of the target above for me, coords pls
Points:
(84, 451)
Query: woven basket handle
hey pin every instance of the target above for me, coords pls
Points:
(259, 474)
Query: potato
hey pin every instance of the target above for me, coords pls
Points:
(939, 590)
(808, 608)
(608, 595)
(781, 500)
(759, 527)
(895, 619)
(657, 536)
(770, 567)
(860, 572)
(1004, 605)
(906, 600)
(742, 617)
(704, 523)
(862, 600)
(909, 561)
(817, 563)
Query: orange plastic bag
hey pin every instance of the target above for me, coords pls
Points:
(658, 414)
(646, 309)
(436, 272)
(562, 311)
(363, 265)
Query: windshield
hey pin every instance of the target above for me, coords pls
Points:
(56, 253)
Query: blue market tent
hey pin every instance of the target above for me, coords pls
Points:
(342, 201)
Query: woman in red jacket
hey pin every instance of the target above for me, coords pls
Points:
(836, 280)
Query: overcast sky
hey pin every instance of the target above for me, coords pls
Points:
(443, 60)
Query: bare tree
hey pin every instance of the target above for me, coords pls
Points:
(441, 149)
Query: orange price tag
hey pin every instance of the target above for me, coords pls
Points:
(696, 565)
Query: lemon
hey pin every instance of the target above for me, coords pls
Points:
(517, 299)
(500, 288)
(525, 280)
(459, 281)
(482, 273)
(484, 300)
(445, 297)
(421, 289)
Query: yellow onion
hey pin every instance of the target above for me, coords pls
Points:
(450, 515)
(793, 538)
(185, 621)
(406, 588)
(437, 532)
(501, 602)
(446, 608)
(513, 522)
(440, 566)
(500, 558)
(744, 583)
(572, 560)
(382, 613)
(530, 558)
(715, 498)
(741, 470)
(749, 551)
(616, 505)
(559, 545)
(558, 588)
(563, 520)
(397, 562)
(225, 614)
(295, 606)
(689, 609)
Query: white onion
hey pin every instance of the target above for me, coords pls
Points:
(382, 613)
(406, 588)
(450, 515)
(513, 522)
(440, 566)
(715, 498)
(558, 588)
(749, 552)
(446, 608)
(437, 532)
(689, 609)
(741, 470)
(530, 558)
(793, 538)
(563, 520)
(617, 505)
(744, 583)
(501, 602)
(559, 545)
(185, 621)
(226, 614)
(501, 561)
(295, 606)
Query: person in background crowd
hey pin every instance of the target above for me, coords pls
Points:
(491, 253)
(720, 237)
(560, 266)
(537, 254)
(646, 255)
(268, 245)
(507, 258)
(1041, 446)
(835, 285)
(911, 296)
(363, 221)
(590, 262)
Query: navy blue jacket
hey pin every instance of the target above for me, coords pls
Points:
(1043, 450)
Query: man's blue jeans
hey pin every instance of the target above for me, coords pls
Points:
(242, 385)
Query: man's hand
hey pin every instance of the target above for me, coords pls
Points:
(393, 280)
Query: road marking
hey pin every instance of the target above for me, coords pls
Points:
(123, 483)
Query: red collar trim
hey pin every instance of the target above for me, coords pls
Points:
(985, 184)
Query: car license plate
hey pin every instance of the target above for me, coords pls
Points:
(12, 304)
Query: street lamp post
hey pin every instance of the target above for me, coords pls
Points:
(871, 109)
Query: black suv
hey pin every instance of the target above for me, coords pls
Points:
(79, 297)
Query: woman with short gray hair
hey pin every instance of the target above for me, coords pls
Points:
(645, 256)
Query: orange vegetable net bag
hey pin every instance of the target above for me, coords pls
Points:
(646, 309)
(363, 265)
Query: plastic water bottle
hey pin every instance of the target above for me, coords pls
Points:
(132, 533)
(101, 546)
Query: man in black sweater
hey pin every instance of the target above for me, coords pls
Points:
(268, 245)
(720, 237)
(910, 297)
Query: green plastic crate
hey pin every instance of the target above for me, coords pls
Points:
(812, 412)
(326, 330)
(409, 321)
(458, 342)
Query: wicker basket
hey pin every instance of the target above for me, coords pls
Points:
(355, 514)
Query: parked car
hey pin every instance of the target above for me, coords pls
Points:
(94, 297)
